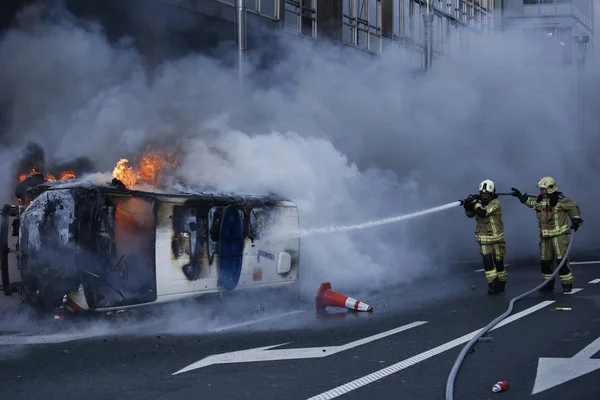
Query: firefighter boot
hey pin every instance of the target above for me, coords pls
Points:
(566, 277)
(494, 286)
(502, 275)
(501, 286)
(548, 287)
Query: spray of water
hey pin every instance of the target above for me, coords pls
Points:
(346, 137)
(365, 225)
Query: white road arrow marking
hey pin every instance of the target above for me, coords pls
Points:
(595, 281)
(259, 354)
(399, 366)
(555, 371)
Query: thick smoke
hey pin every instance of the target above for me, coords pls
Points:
(350, 138)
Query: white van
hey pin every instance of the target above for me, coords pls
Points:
(93, 247)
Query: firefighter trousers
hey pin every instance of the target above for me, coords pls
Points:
(555, 248)
(493, 261)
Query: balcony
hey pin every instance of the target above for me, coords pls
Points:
(547, 10)
(580, 9)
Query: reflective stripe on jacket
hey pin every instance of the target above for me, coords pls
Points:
(490, 228)
(553, 220)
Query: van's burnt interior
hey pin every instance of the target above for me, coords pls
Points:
(123, 243)
(102, 237)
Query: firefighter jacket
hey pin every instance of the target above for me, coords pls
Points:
(490, 228)
(553, 213)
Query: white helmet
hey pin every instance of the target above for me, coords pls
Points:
(487, 186)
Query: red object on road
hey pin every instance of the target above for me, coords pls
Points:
(327, 297)
(500, 387)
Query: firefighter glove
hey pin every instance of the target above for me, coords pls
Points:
(481, 211)
(469, 202)
(517, 193)
(576, 223)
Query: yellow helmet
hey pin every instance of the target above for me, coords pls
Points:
(548, 183)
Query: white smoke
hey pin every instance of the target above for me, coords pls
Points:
(348, 138)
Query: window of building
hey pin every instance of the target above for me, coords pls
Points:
(457, 4)
(362, 24)
(268, 8)
(252, 5)
(412, 20)
(301, 17)
(398, 12)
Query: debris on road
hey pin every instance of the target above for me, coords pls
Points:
(500, 387)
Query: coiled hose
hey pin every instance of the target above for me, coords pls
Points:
(463, 353)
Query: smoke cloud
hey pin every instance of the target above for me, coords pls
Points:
(349, 137)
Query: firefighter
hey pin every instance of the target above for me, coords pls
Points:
(489, 233)
(553, 210)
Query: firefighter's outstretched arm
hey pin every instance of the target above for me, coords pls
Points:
(524, 198)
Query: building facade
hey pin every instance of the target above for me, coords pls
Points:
(554, 22)
(373, 26)
(370, 25)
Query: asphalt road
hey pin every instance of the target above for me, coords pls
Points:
(127, 356)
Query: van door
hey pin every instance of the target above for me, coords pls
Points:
(231, 248)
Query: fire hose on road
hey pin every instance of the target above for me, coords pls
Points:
(463, 353)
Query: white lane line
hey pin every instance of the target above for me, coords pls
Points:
(573, 291)
(32, 338)
(595, 281)
(28, 338)
(392, 369)
(254, 321)
(584, 262)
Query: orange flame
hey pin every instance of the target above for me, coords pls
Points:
(49, 177)
(33, 171)
(150, 167)
(64, 175)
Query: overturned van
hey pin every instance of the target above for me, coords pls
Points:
(105, 247)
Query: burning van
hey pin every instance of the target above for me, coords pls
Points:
(105, 247)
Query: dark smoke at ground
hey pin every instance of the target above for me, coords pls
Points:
(349, 138)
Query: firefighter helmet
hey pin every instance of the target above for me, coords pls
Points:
(487, 186)
(548, 183)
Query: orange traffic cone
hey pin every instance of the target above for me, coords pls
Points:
(327, 297)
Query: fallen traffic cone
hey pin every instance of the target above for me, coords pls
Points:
(327, 297)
